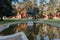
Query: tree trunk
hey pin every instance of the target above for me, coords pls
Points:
(1, 18)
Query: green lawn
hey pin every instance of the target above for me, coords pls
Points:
(14, 20)
(25, 20)
(11, 21)
(52, 21)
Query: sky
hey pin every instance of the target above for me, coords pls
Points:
(38, 1)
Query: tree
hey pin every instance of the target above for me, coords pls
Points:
(5, 8)
(51, 6)
(15, 1)
(28, 4)
(34, 3)
(36, 10)
(30, 11)
(41, 7)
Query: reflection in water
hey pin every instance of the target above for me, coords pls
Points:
(38, 37)
(8, 31)
(36, 32)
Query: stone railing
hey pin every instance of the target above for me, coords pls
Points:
(16, 36)
(2, 27)
(41, 21)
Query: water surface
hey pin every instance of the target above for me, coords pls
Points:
(35, 32)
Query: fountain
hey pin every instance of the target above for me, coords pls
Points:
(30, 31)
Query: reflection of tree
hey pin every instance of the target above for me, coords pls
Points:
(50, 32)
(21, 27)
(32, 33)
(41, 31)
(8, 31)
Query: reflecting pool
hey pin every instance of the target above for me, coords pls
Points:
(37, 31)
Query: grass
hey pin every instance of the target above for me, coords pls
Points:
(25, 20)
(14, 20)
(52, 21)
(10, 21)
